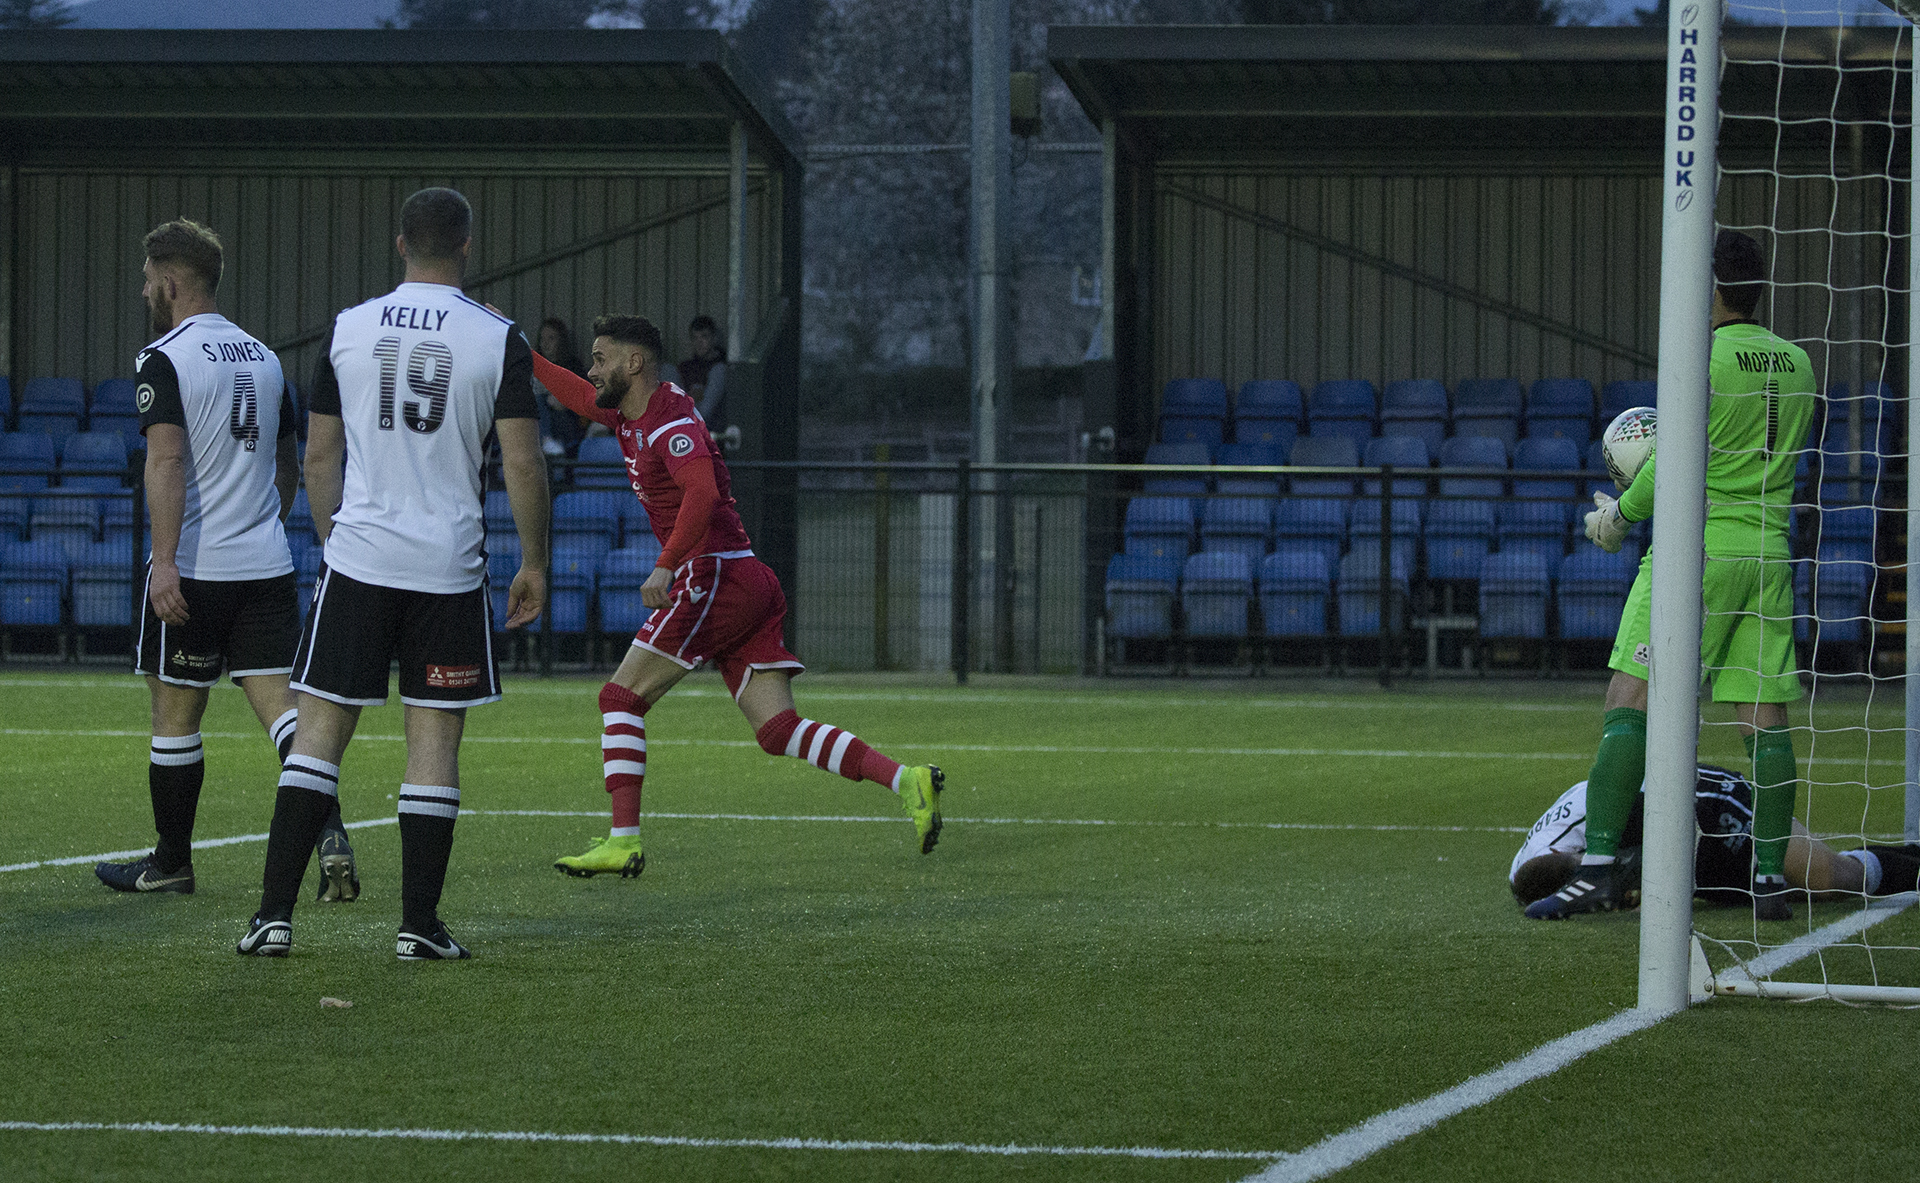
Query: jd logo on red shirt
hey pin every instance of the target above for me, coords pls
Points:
(680, 445)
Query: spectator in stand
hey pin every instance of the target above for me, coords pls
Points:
(704, 375)
(560, 428)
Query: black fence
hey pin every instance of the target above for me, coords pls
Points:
(1007, 568)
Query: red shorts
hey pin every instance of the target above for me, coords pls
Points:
(725, 610)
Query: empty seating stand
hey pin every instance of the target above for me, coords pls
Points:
(1140, 597)
(114, 408)
(1488, 406)
(1561, 408)
(1216, 593)
(52, 405)
(1346, 407)
(1295, 584)
(1416, 407)
(1514, 587)
(1268, 411)
(1592, 592)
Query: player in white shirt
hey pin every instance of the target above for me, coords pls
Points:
(411, 388)
(1549, 860)
(220, 477)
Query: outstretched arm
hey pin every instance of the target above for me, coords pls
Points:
(573, 391)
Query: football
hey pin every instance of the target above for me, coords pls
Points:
(1627, 444)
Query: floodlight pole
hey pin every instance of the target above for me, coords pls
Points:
(1680, 501)
(992, 360)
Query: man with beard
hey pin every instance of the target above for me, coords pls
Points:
(220, 588)
(713, 601)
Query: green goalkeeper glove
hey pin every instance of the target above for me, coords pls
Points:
(1606, 529)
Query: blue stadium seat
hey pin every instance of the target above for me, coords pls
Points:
(1536, 527)
(71, 520)
(1269, 398)
(117, 520)
(622, 572)
(1403, 452)
(52, 405)
(1881, 413)
(1561, 407)
(1183, 429)
(1359, 591)
(1323, 451)
(14, 512)
(1268, 411)
(1295, 583)
(1163, 524)
(1594, 465)
(1593, 590)
(26, 461)
(1415, 406)
(1616, 397)
(1241, 525)
(1473, 451)
(1344, 406)
(33, 582)
(1193, 484)
(1216, 590)
(1363, 527)
(1140, 594)
(95, 460)
(498, 512)
(601, 450)
(1513, 595)
(1196, 398)
(1554, 455)
(1840, 592)
(570, 587)
(6, 402)
(589, 513)
(1848, 475)
(1318, 524)
(503, 562)
(1847, 532)
(300, 516)
(1250, 454)
(113, 407)
(1459, 536)
(1488, 406)
(103, 585)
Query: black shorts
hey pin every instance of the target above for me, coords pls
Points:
(355, 630)
(1723, 841)
(241, 627)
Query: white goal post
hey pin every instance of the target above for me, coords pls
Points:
(1672, 967)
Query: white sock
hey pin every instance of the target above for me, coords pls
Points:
(896, 777)
(1870, 870)
(1596, 860)
(624, 832)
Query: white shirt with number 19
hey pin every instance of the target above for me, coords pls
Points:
(418, 377)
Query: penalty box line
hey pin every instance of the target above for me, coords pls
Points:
(1007, 1150)
(1337, 1152)
(237, 839)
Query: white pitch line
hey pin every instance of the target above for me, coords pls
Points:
(1337, 1152)
(209, 843)
(1005, 1150)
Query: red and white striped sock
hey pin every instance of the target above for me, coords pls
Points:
(827, 747)
(623, 754)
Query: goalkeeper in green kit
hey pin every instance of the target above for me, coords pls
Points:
(1763, 404)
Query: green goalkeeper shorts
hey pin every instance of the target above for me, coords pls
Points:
(1746, 634)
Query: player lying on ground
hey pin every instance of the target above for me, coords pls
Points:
(220, 592)
(1549, 860)
(1762, 405)
(713, 602)
(407, 393)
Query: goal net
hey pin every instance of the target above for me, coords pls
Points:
(1814, 163)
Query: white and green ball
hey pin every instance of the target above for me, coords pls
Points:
(1628, 443)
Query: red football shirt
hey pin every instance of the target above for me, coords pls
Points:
(667, 438)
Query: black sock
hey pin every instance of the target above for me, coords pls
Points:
(427, 814)
(176, 769)
(299, 810)
(1899, 868)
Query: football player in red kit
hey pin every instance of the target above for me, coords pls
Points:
(713, 602)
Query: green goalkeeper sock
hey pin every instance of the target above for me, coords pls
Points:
(1618, 768)
(1775, 779)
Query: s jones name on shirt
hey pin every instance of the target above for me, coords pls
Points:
(400, 316)
(231, 351)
